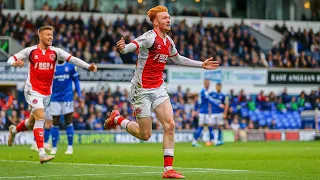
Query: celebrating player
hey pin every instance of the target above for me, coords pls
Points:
(62, 102)
(220, 105)
(204, 116)
(148, 91)
(42, 60)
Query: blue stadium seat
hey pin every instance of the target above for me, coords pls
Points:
(262, 122)
(244, 112)
(253, 118)
(286, 125)
(279, 125)
(269, 120)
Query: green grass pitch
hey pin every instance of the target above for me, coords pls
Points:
(253, 160)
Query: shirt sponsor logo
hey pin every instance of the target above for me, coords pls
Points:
(43, 65)
(162, 58)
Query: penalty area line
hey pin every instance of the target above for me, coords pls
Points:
(130, 166)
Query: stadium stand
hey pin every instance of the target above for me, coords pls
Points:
(94, 41)
(84, 7)
(248, 111)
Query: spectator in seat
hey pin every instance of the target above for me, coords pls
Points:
(272, 97)
(235, 126)
(80, 124)
(252, 105)
(302, 100)
(318, 103)
(293, 104)
(3, 120)
(242, 97)
(261, 97)
(313, 98)
(285, 97)
(273, 125)
(251, 125)
(243, 124)
(12, 119)
(318, 92)
(281, 106)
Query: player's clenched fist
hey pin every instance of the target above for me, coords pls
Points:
(121, 44)
(18, 63)
(92, 67)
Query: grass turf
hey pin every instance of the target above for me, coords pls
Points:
(253, 160)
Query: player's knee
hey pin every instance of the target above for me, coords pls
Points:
(169, 126)
(146, 137)
(31, 124)
(48, 124)
(68, 118)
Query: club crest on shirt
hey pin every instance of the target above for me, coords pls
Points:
(66, 69)
(138, 111)
(35, 101)
(52, 57)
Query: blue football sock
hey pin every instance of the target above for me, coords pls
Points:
(219, 134)
(211, 133)
(55, 136)
(197, 134)
(46, 134)
(70, 132)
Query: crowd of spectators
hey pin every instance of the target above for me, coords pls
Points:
(134, 10)
(67, 6)
(95, 40)
(91, 111)
(308, 46)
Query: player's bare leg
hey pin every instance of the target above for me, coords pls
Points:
(23, 126)
(39, 135)
(142, 129)
(164, 113)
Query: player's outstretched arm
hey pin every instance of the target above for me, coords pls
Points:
(125, 48)
(78, 62)
(65, 56)
(208, 64)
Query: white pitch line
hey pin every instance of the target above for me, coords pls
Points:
(77, 175)
(120, 165)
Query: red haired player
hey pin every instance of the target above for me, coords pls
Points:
(148, 91)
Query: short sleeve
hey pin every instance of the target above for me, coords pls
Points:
(62, 54)
(173, 50)
(23, 54)
(226, 100)
(145, 41)
(74, 72)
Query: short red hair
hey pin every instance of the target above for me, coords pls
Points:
(152, 13)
